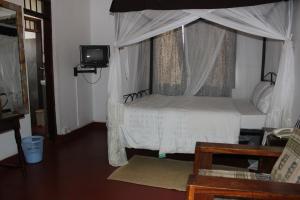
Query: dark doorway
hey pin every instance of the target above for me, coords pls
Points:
(40, 12)
(33, 43)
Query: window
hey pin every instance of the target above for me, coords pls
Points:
(34, 5)
(169, 62)
(30, 24)
(221, 79)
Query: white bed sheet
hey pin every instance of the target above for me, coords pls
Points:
(174, 124)
(251, 117)
(141, 120)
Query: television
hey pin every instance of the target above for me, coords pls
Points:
(94, 56)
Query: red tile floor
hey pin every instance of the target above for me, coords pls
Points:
(75, 169)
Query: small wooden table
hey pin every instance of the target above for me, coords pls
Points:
(8, 122)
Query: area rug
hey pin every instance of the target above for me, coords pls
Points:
(155, 172)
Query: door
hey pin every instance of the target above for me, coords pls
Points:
(39, 11)
(33, 43)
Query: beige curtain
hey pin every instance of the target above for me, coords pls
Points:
(168, 63)
(170, 73)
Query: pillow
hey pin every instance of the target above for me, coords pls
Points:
(264, 100)
(259, 89)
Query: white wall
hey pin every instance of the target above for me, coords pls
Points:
(296, 27)
(102, 33)
(8, 145)
(73, 96)
(248, 65)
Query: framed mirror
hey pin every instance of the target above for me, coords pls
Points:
(13, 78)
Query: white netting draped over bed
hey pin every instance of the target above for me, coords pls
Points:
(269, 20)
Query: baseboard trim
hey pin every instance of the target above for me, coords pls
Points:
(101, 125)
(9, 160)
(60, 139)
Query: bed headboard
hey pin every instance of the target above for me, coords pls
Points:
(270, 77)
(135, 95)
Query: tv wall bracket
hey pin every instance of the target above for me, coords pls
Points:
(81, 71)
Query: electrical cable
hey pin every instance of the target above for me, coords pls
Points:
(95, 82)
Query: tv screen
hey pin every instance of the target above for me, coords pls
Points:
(94, 56)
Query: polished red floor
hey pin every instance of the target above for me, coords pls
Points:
(75, 170)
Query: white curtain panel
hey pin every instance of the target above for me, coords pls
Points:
(273, 53)
(143, 67)
(205, 41)
(272, 21)
(280, 113)
(268, 20)
(135, 67)
(134, 27)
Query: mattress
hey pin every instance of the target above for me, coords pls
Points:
(174, 124)
(251, 118)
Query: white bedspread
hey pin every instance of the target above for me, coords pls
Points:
(251, 117)
(174, 124)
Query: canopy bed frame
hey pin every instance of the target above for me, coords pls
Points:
(134, 26)
(139, 5)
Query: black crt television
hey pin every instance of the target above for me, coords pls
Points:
(94, 56)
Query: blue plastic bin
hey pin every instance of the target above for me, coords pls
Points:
(33, 148)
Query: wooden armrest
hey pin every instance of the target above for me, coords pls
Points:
(231, 187)
(204, 152)
(236, 149)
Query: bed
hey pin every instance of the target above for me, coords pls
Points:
(251, 117)
(174, 124)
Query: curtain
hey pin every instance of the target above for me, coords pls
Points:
(273, 52)
(203, 42)
(135, 67)
(221, 79)
(168, 64)
(169, 68)
(143, 67)
(270, 20)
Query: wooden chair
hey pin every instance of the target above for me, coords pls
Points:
(282, 183)
(297, 125)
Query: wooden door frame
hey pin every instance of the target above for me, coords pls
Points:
(39, 55)
(48, 52)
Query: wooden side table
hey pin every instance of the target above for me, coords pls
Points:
(11, 121)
